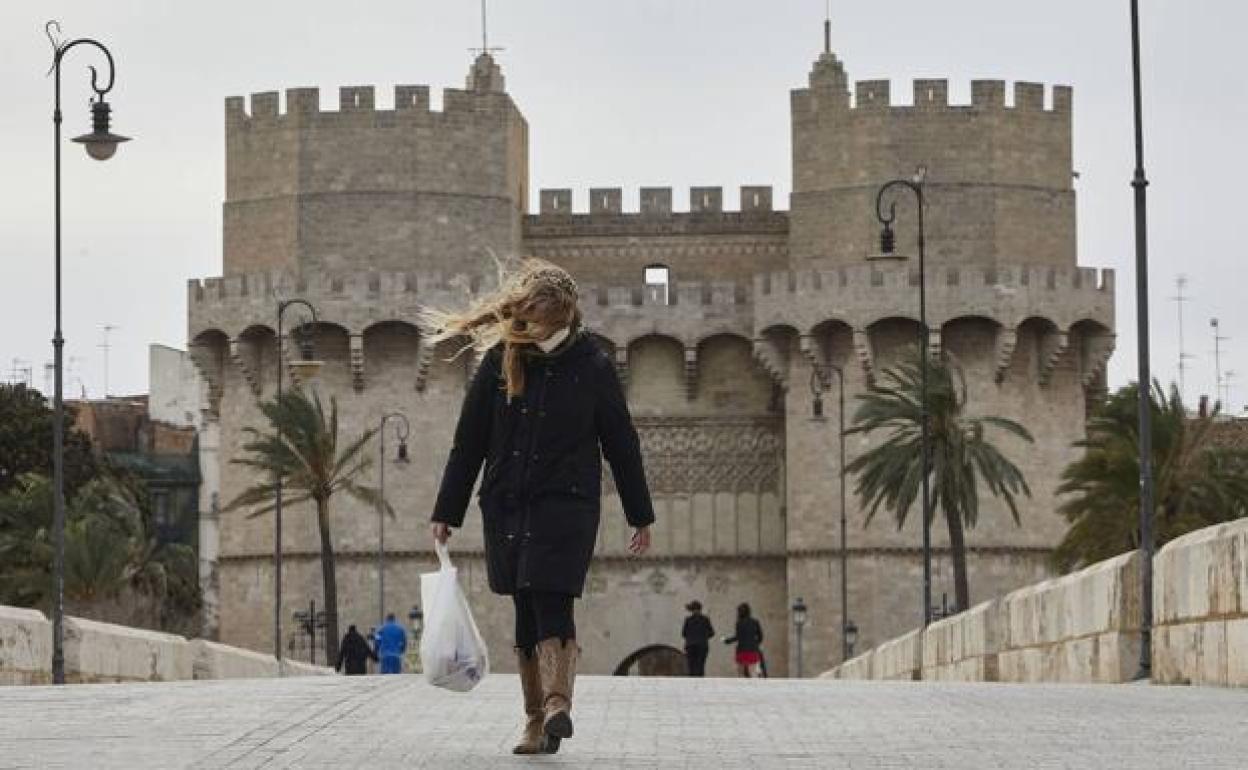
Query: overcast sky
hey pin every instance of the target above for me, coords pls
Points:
(644, 92)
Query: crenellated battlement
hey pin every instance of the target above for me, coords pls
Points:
(653, 202)
(303, 105)
(986, 95)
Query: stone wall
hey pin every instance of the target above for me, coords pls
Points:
(25, 647)
(1085, 627)
(1200, 605)
(102, 652)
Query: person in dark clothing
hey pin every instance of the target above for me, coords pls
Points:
(749, 640)
(543, 409)
(353, 653)
(697, 633)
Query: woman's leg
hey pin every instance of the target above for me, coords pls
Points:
(526, 623)
(531, 741)
(553, 616)
(557, 652)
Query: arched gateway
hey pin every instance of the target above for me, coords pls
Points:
(370, 213)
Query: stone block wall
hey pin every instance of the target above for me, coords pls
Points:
(1085, 627)
(1200, 605)
(25, 646)
(900, 658)
(103, 652)
(964, 648)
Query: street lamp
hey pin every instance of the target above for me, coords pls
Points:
(819, 377)
(888, 244)
(306, 366)
(416, 619)
(401, 431)
(100, 144)
(309, 621)
(1139, 182)
(850, 630)
(799, 621)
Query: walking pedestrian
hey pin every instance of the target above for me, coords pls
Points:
(391, 644)
(353, 653)
(749, 640)
(544, 401)
(697, 632)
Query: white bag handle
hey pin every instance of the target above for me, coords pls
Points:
(444, 555)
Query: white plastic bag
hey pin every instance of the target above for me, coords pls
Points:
(451, 650)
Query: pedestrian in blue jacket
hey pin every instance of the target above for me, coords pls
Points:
(391, 644)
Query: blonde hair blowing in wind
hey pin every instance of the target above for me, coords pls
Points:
(534, 299)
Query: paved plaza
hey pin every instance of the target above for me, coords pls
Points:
(394, 722)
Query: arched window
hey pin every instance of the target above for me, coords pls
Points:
(658, 282)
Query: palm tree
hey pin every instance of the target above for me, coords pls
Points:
(302, 450)
(1197, 483)
(891, 474)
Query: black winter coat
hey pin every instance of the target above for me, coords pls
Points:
(354, 654)
(541, 493)
(749, 635)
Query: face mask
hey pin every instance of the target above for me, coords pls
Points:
(553, 341)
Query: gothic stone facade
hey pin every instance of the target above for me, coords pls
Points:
(371, 213)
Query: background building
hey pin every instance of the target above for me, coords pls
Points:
(714, 319)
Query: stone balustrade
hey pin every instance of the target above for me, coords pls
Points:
(1200, 608)
(103, 652)
(1085, 626)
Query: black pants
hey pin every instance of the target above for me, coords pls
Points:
(695, 656)
(542, 615)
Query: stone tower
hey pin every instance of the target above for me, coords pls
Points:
(714, 319)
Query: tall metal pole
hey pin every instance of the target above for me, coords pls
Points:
(925, 417)
(916, 186)
(58, 416)
(104, 145)
(277, 513)
(277, 484)
(381, 529)
(381, 505)
(1140, 184)
(840, 377)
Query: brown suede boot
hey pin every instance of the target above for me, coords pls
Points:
(532, 741)
(558, 666)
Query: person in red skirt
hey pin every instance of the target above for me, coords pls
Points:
(749, 640)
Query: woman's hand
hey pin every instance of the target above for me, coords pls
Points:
(640, 542)
(441, 532)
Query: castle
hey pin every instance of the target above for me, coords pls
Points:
(714, 319)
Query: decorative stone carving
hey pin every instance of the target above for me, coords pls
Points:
(774, 359)
(1053, 347)
(1007, 339)
(687, 455)
(240, 355)
(357, 362)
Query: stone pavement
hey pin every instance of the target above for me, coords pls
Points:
(376, 722)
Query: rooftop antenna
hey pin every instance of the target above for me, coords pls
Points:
(1179, 299)
(105, 346)
(827, 29)
(1218, 339)
(485, 34)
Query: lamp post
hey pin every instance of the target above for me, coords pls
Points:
(310, 366)
(1139, 182)
(799, 622)
(401, 431)
(99, 144)
(416, 620)
(309, 621)
(819, 383)
(887, 247)
(851, 637)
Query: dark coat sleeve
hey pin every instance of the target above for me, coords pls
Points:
(472, 439)
(621, 447)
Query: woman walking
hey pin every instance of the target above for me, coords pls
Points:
(749, 640)
(543, 403)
